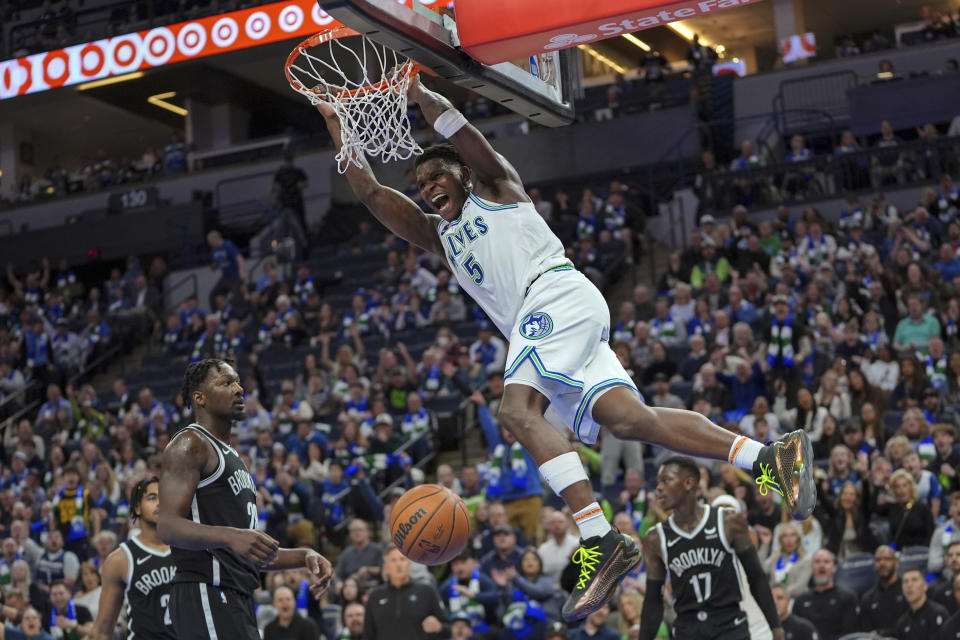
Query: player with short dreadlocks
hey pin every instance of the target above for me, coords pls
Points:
(208, 515)
(142, 570)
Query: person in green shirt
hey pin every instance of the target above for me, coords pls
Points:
(385, 439)
(915, 331)
(710, 264)
(769, 238)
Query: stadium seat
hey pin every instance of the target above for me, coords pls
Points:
(445, 406)
(683, 390)
(678, 353)
(856, 572)
(914, 558)
(892, 420)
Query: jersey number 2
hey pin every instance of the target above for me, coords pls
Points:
(165, 603)
(704, 594)
(471, 266)
(252, 512)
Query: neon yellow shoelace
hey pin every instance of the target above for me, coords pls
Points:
(766, 480)
(587, 558)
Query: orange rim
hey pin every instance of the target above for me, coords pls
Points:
(326, 36)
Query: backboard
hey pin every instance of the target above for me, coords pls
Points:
(540, 88)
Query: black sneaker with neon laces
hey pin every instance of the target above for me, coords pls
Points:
(603, 560)
(786, 467)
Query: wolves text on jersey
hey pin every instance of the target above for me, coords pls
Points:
(466, 234)
(694, 557)
(154, 578)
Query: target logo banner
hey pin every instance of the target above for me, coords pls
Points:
(166, 45)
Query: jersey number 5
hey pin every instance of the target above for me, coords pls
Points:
(472, 267)
(703, 594)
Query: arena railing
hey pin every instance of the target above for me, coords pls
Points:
(17, 400)
(92, 23)
(822, 93)
(189, 279)
(828, 176)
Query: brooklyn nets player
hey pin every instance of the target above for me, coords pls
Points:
(695, 548)
(141, 569)
(208, 515)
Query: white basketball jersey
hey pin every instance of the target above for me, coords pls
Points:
(495, 251)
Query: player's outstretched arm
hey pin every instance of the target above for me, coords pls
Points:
(737, 531)
(113, 582)
(394, 210)
(652, 612)
(488, 166)
(183, 462)
(318, 566)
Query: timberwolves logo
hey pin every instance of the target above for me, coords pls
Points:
(536, 325)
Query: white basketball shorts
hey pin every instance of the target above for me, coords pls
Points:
(560, 348)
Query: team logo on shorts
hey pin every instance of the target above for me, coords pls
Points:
(536, 325)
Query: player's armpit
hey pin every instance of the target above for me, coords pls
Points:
(184, 461)
(656, 569)
(113, 585)
(403, 217)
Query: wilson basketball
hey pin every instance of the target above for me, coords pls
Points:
(430, 524)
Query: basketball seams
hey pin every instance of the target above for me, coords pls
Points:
(453, 528)
(423, 527)
(449, 514)
(397, 512)
(466, 514)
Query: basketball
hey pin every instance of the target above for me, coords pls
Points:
(430, 524)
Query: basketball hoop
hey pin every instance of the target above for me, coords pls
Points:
(365, 84)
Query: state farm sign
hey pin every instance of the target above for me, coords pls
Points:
(495, 31)
(165, 45)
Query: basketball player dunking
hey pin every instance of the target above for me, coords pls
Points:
(208, 516)
(505, 257)
(698, 549)
(142, 570)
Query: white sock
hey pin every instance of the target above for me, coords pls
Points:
(744, 452)
(591, 521)
(563, 471)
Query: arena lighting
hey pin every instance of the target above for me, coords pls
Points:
(111, 80)
(687, 33)
(160, 100)
(683, 30)
(632, 39)
(602, 58)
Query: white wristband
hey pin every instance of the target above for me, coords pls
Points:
(449, 122)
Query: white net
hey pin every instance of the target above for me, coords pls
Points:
(366, 84)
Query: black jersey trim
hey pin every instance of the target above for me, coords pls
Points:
(129, 553)
(207, 611)
(693, 534)
(663, 548)
(134, 538)
(213, 440)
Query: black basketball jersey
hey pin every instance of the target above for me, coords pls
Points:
(701, 565)
(149, 576)
(225, 498)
